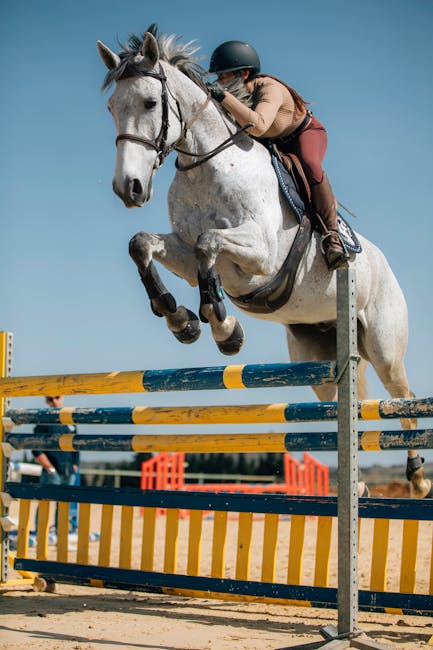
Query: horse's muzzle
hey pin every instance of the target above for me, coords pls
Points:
(132, 194)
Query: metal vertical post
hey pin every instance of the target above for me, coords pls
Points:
(347, 361)
(5, 371)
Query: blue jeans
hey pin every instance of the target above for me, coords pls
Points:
(58, 479)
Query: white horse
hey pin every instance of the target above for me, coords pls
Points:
(230, 223)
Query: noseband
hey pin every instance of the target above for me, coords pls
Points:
(160, 143)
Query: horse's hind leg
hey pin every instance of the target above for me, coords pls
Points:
(168, 249)
(394, 379)
(386, 354)
(310, 343)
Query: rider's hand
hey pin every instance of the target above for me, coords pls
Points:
(217, 92)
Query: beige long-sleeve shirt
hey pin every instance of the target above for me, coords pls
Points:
(276, 114)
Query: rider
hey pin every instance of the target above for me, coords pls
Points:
(280, 115)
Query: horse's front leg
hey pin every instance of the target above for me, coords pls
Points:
(178, 258)
(244, 247)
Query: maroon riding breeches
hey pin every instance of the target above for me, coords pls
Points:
(310, 147)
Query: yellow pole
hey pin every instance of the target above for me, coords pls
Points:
(81, 384)
(5, 369)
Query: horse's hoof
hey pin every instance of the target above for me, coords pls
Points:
(363, 490)
(413, 467)
(191, 332)
(235, 341)
(421, 490)
(419, 487)
(429, 494)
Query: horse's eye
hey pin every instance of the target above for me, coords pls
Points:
(149, 104)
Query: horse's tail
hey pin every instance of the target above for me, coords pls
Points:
(362, 379)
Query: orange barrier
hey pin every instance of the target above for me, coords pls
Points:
(166, 471)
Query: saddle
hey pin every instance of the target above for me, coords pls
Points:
(295, 188)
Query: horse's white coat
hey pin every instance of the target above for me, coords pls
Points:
(228, 212)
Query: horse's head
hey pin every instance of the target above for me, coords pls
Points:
(141, 109)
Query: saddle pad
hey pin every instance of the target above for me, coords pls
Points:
(350, 239)
(288, 188)
(290, 191)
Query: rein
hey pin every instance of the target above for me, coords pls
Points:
(160, 142)
(203, 157)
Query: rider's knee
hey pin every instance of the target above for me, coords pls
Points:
(313, 171)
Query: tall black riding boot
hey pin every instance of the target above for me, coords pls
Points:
(324, 203)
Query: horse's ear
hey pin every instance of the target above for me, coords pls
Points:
(109, 58)
(149, 49)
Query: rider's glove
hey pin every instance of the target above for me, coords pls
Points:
(216, 91)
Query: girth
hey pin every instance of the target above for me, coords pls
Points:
(277, 292)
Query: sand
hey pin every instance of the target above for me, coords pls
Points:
(87, 618)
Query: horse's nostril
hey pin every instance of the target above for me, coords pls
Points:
(133, 195)
(136, 187)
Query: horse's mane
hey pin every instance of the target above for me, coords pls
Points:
(182, 56)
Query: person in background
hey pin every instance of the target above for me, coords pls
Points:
(58, 467)
(281, 116)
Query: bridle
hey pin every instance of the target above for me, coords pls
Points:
(160, 142)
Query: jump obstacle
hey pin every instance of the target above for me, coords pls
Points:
(166, 471)
(285, 514)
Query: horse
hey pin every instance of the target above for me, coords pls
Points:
(232, 228)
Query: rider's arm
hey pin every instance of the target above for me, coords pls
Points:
(43, 460)
(264, 114)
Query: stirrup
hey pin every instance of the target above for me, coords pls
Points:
(338, 262)
(342, 258)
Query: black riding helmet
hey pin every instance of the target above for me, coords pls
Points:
(234, 55)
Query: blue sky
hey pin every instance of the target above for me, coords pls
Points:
(70, 293)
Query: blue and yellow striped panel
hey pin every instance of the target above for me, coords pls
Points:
(321, 506)
(153, 415)
(297, 412)
(223, 588)
(220, 442)
(308, 373)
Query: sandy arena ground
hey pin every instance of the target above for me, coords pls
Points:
(100, 619)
